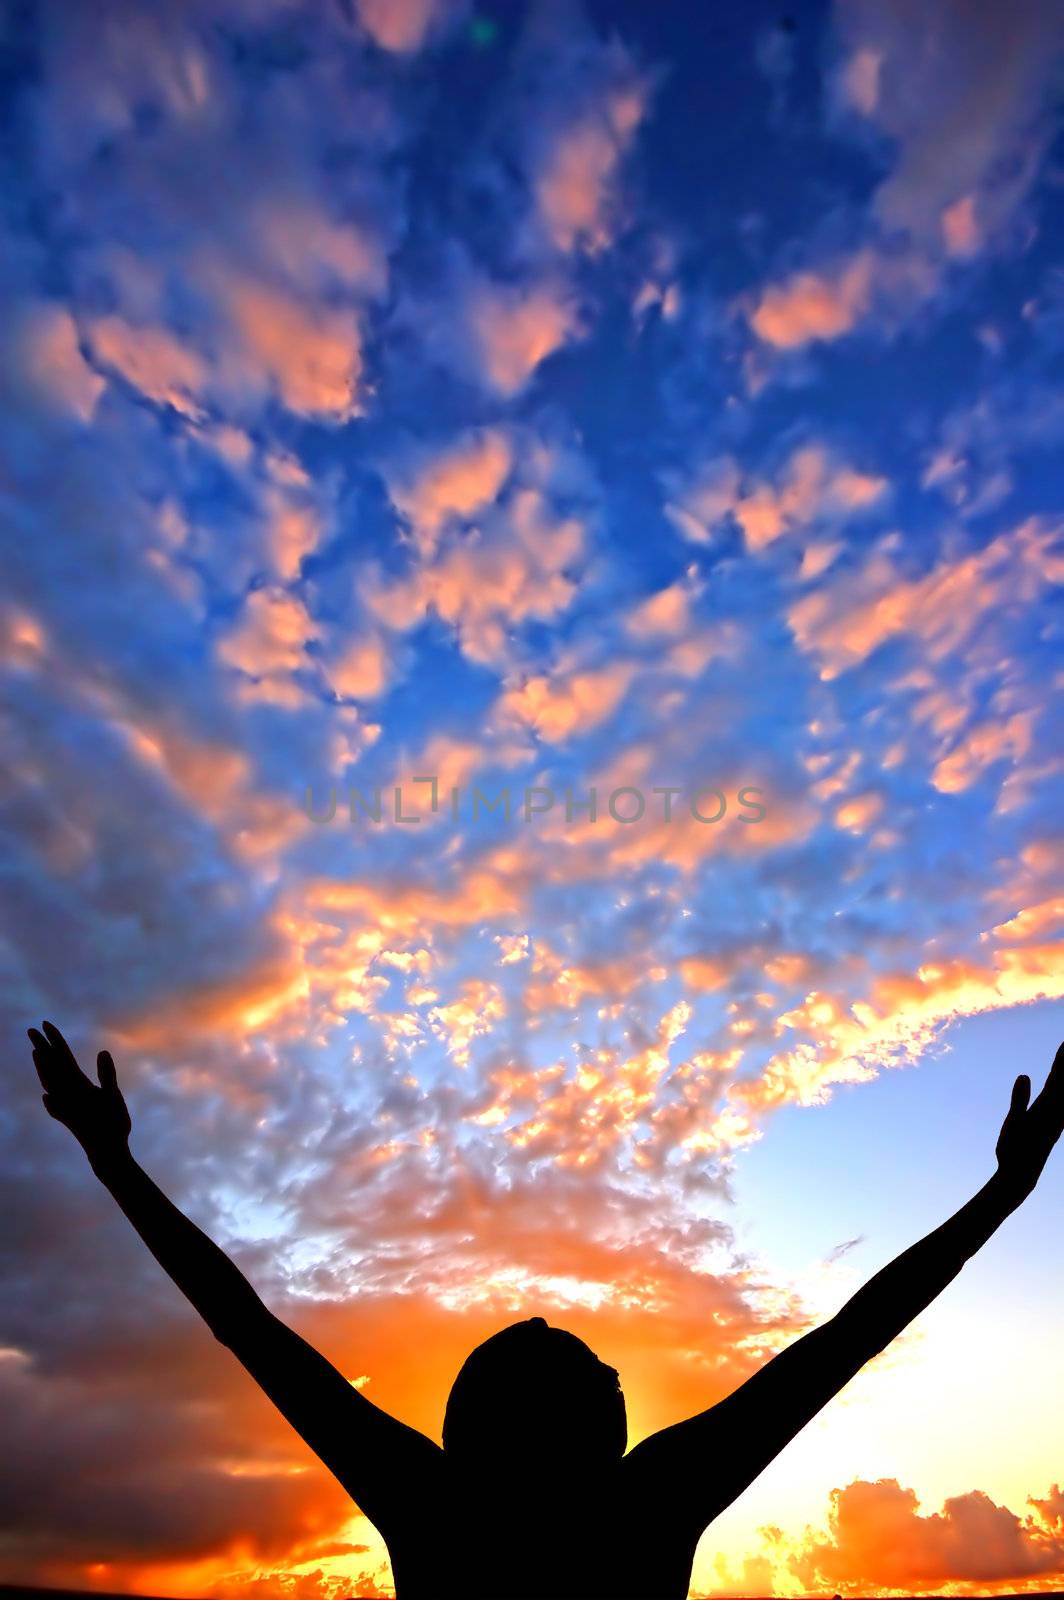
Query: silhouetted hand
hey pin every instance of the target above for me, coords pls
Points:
(1029, 1132)
(95, 1115)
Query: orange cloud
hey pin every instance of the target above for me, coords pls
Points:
(1051, 1509)
(880, 1540)
(559, 707)
(23, 640)
(680, 839)
(558, 985)
(202, 1484)
(902, 1015)
(361, 672)
(293, 533)
(518, 568)
(665, 612)
(844, 622)
(690, 656)
(272, 992)
(705, 972)
(216, 782)
(456, 483)
(577, 1118)
(268, 645)
(1033, 922)
(812, 306)
(855, 815)
(478, 1006)
(988, 742)
(312, 358)
(813, 485)
(318, 970)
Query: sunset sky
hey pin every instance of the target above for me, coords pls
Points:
(649, 396)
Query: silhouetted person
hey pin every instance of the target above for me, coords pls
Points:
(532, 1493)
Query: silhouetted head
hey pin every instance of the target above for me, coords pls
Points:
(533, 1393)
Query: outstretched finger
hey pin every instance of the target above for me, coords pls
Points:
(1021, 1093)
(42, 1058)
(1051, 1098)
(105, 1070)
(39, 1042)
(65, 1057)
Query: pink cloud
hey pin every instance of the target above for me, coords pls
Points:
(558, 708)
(696, 508)
(813, 305)
(313, 251)
(458, 482)
(483, 585)
(294, 532)
(515, 329)
(961, 92)
(312, 358)
(666, 612)
(859, 80)
(402, 26)
(842, 623)
(960, 230)
(575, 181)
(361, 672)
(813, 485)
(988, 742)
(152, 360)
(52, 360)
(268, 645)
(216, 782)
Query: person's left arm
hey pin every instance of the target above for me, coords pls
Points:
(709, 1459)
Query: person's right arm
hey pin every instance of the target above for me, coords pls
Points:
(708, 1460)
(379, 1460)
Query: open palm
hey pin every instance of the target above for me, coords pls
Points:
(95, 1113)
(1029, 1132)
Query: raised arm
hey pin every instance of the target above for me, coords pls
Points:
(710, 1459)
(380, 1461)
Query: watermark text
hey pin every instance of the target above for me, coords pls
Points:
(423, 799)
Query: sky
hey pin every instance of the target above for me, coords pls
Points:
(419, 421)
